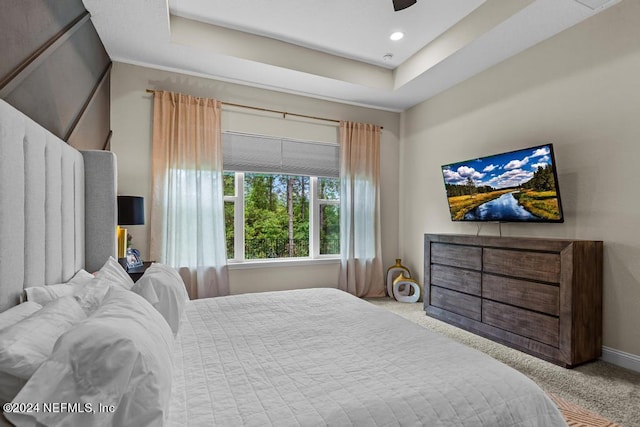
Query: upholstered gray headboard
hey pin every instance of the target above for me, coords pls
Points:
(57, 207)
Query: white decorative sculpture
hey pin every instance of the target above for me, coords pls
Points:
(411, 291)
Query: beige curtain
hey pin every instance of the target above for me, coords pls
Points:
(187, 200)
(360, 249)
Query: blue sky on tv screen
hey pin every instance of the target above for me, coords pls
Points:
(499, 171)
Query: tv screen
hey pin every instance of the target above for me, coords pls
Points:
(518, 186)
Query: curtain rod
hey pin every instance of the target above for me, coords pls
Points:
(284, 113)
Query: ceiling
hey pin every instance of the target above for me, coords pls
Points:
(332, 49)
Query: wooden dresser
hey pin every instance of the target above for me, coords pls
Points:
(540, 296)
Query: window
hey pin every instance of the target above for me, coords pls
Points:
(329, 216)
(283, 216)
(280, 209)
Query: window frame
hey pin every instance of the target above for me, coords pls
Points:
(314, 228)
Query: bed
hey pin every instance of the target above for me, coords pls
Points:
(306, 357)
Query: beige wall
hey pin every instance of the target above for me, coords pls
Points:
(131, 121)
(579, 90)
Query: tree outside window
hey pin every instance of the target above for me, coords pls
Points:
(278, 216)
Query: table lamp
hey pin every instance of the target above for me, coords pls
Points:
(130, 212)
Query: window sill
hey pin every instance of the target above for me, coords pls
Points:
(296, 262)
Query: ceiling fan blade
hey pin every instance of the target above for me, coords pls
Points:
(402, 4)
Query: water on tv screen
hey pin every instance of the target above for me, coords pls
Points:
(518, 186)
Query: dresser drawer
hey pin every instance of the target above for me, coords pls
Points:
(521, 293)
(457, 255)
(539, 327)
(456, 302)
(456, 279)
(540, 266)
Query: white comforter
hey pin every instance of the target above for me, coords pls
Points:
(323, 357)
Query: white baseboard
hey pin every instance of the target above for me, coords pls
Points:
(620, 358)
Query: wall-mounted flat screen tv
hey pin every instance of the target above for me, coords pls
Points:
(518, 186)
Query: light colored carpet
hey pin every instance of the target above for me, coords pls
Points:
(599, 387)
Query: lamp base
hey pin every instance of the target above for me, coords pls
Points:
(122, 242)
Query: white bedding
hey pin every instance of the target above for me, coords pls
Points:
(323, 357)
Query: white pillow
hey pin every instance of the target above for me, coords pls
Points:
(91, 296)
(26, 344)
(45, 294)
(82, 277)
(17, 313)
(163, 287)
(121, 356)
(112, 271)
(10, 386)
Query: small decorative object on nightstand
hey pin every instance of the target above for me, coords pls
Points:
(136, 272)
(133, 259)
(393, 272)
(410, 289)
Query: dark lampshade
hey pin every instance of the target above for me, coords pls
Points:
(130, 210)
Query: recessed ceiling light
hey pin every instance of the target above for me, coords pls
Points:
(388, 57)
(396, 36)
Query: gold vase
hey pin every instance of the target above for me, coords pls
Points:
(394, 271)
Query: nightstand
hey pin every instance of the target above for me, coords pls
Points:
(137, 272)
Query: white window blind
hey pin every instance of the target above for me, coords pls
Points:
(256, 153)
